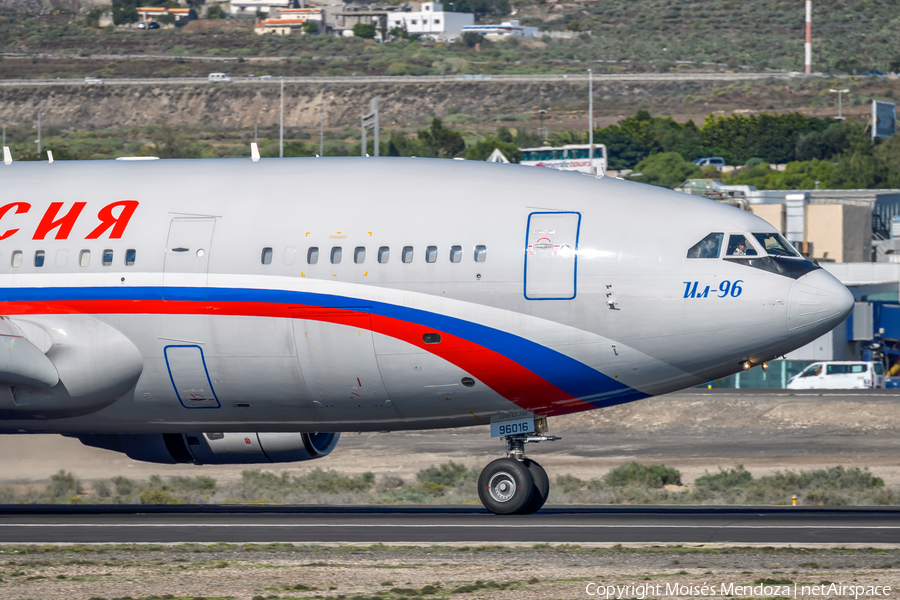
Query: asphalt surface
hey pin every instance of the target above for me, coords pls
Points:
(437, 525)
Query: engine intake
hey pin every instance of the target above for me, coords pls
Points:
(217, 448)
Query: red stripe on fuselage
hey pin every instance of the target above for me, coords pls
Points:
(503, 375)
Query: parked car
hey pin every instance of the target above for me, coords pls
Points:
(93, 81)
(153, 25)
(218, 78)
(839, 375)
(716, 161)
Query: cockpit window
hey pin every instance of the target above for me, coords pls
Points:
(739, 246)
(776, 245)
(708, 247)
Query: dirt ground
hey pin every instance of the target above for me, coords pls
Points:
(249, 572)
(695, 431)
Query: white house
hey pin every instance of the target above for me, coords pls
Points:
(432, 21)
(251, 7)
(505, 29)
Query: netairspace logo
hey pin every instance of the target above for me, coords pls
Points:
(643, 591)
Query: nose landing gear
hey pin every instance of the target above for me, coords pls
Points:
(515, 485)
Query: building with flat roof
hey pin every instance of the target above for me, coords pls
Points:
(503, 30)
(251, 7)
(431, 21)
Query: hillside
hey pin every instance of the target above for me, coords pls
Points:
(617, 35)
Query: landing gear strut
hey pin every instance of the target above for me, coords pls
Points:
(516, 485)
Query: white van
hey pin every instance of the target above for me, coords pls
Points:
(219, 78)
(839, 375)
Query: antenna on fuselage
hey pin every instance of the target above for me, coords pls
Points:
(7, 156)
(254, 152)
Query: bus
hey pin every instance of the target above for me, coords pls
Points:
(571, 157)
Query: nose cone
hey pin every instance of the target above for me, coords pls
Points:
(818, 304)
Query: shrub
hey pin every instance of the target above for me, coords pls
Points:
(725, 479)
(655, 476)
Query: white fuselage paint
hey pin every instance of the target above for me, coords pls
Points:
(226, 343)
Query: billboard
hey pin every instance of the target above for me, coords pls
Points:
(884, 119)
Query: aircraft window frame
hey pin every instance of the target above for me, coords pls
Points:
(40, 257)
(130, 257)
(704, 248)
(456, 253)
(407, 254)
(107, 257)
(312, 255)
(732, 248)
(480, 253)
(431, 254)
(16, 259)
(783, 248)
(384, 255)
(336, 255)
(84, 258)
(266, 256)
(359, 255)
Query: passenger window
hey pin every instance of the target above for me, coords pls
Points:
(858, 368)
(312, 256)
(107, 257)
(266, 256)
(432, 338)
(480, 253)
(739, 246)
(17, 258)
(84, 258)
(130, 255)
(384, 254)
(406, 255)
(336, 254)
(359, 255)
(39, 258)
(836, 369)
(455, 254)
(431, 254)
(776, 245)
(708, 247)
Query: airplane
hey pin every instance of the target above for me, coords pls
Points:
(235, 311)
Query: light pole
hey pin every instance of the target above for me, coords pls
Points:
(543, 131)
(840, 94)
(38, 141)
(321, 129)
(591, 121)
(281, 129)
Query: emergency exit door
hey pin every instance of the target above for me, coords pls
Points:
(187, 258)
(551, 255)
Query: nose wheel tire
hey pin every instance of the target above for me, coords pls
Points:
(506, 487)
(541, 487)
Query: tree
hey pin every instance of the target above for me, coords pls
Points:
(666, 169)
(125, 11)
(440, 142)
(472, 38)
(310, 28)
(364, 30)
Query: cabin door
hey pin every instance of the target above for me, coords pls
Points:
(187, 258)
(551, 255)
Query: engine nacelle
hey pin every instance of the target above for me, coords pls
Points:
(217, 448)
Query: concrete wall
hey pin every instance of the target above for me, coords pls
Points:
(841, 233)
(773, 213)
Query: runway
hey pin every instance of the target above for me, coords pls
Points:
(437, 525)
